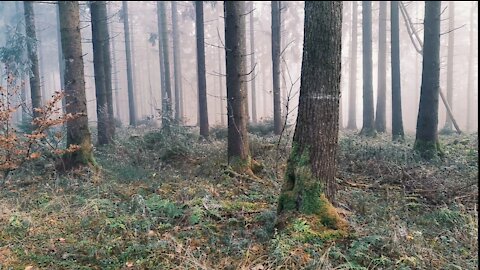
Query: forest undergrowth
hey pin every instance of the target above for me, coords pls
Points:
(169, 201)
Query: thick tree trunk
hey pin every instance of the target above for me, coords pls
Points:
(177, 69)
(131, 98)
(309, 186)
(98, 14)
(162, 28)
(380, 117)
(426, 141)
(397, 122)
(252, 65)
(77, 129)
(277, 109)
(35, 91)
(352, 94)
(368, 128)
(451, 46)
(235, 47)
(202, 82)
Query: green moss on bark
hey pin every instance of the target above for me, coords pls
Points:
(428, 149)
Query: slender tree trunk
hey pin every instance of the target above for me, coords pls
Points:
(221, 87)
(471, 56)
(131, 99)
(252, 65)
(397, 122)
(177, 69)
(202, 82)
(108, 69)
(309, 187)
(235, 47)
(277, 109)
(368, 128)
(23, 94)
(162, 28)
(451, 46)
(35, 91)
(61, 61)
(352, 97)
(77, 129)
(426, 141)
(116, 89)
(380, 117)
(98, 15)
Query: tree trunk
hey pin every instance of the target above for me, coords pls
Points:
(202, 82)
(368, 128)
(108, 69)
(309, 187)
(98, 12)
(426, 141)
(235, 47)
(23, 93)
(116, 89)
(35, 91)
(61, 61)
(380, 117)
(131, 99)
(177, 69)
(221, 90)
(397, 122)
(471, 57)
(451, 45)
(162, 28)
(252, 66)
(352, 97)
(277, 109)
(77, 129)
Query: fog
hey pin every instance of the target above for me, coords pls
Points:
(146, 71)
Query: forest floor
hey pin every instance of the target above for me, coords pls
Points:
(164, 201)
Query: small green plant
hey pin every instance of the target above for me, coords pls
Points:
(161, 207)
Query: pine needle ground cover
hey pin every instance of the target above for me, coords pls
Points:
(169, 201)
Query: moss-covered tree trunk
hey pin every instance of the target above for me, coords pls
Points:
(276, 41)
(368, 128)
(202, 81)
(352, 94)
(309, 186)
(77, 130)
(426, 140)
(235, 47)
(397, 120)
(128, 55)
(35, 91)
(380, 113)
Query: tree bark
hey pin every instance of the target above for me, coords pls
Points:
(277, 109)
(116, 89)
(131, 98)
(108, 70)
(98, 12)
(380, 117)
(252, 65)
(451, 46)
(309, 187)
(235, 47)
(471, 57)
(397, 122)
(352, 97)
(77, 129)
(162, 28)
(177, 69)
(61, 61)
(202, 82)
(426, 140)
(35, 91)
(368, 128)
